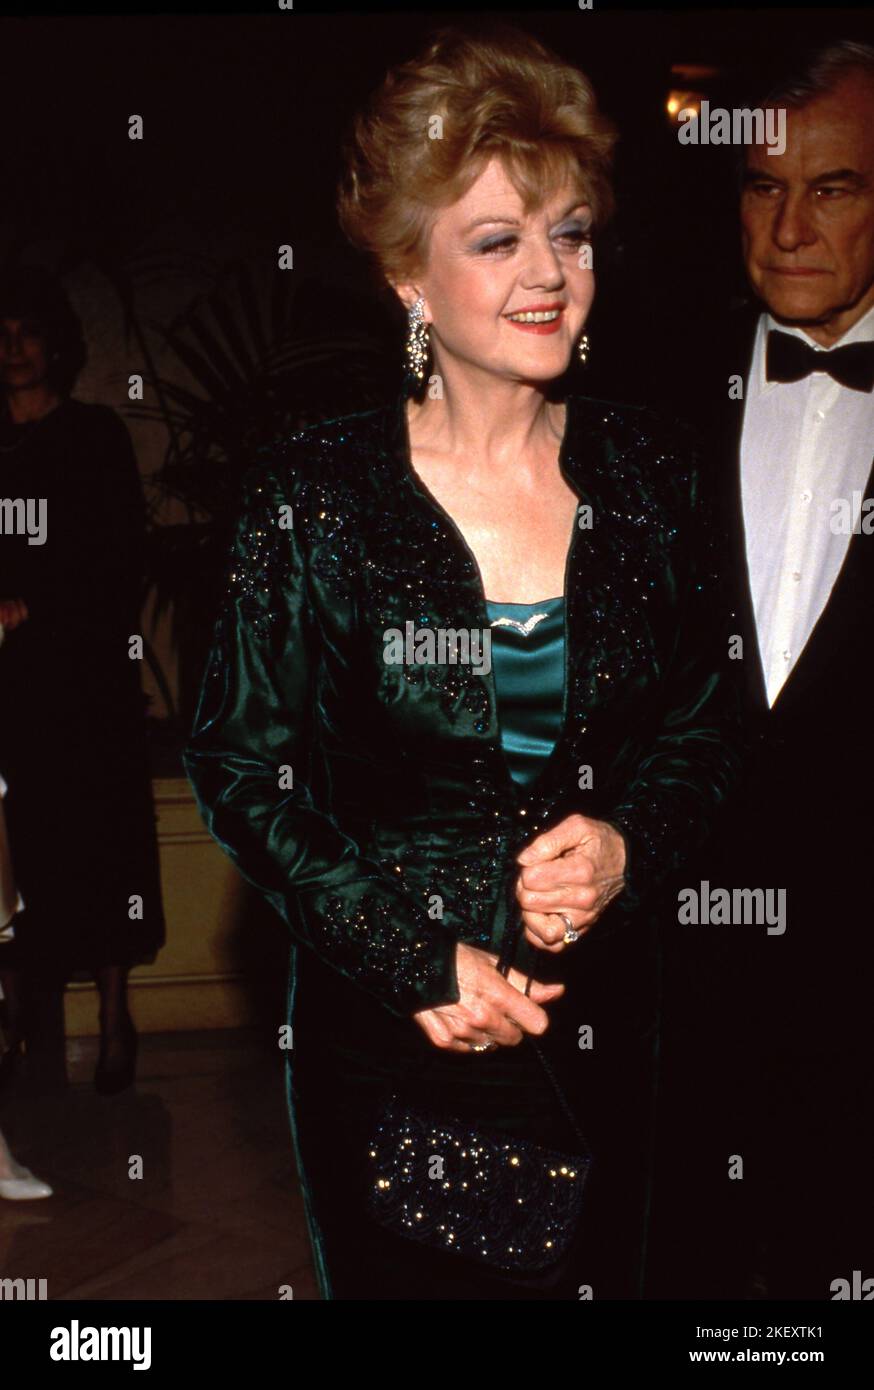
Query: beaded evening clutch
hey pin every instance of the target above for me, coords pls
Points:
(512, 1204)
(505, 1202)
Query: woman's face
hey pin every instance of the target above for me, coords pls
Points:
(23, 353)
(489, 260)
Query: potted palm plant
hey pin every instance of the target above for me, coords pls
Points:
(259, 366)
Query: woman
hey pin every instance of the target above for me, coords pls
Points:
(72, 732)
(383, 799)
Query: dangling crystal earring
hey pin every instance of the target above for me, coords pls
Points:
(417, 340)
(583, 348)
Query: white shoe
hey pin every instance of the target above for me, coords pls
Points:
(24, 1187)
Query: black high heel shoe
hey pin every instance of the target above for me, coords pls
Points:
(109, 1079)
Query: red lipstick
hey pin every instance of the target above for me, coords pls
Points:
(551, 327)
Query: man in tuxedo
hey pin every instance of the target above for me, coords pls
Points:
(786, 1055)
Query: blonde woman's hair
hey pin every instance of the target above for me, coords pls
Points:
(499, 93)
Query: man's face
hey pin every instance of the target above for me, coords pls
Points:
(807, 215)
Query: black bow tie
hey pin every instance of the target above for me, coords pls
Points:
(790, 358)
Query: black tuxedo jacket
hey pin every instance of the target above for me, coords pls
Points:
(804, 818)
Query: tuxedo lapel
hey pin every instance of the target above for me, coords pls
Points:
(739, 342)
(842, 622)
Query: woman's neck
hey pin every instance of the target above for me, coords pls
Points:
(21, 407)
(498, 435)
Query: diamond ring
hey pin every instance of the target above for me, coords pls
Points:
(571, 934)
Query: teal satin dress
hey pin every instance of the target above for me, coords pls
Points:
(528, 668)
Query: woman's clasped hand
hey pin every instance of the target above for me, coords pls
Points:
(569, 876)
(491, 1011)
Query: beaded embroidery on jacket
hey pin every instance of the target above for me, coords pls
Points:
(386, 556)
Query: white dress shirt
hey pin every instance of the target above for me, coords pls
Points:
(804, 444)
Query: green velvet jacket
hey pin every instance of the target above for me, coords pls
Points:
(372, 803)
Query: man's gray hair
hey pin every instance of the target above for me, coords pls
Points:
(813, 73)
(823, 69)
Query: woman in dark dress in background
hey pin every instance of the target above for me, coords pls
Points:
(72, 732)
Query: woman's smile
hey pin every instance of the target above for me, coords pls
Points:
(538, 319)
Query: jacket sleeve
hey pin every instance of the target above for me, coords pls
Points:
(680, 784)
(254, 732)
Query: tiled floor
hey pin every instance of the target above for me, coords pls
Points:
(217, 1213)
